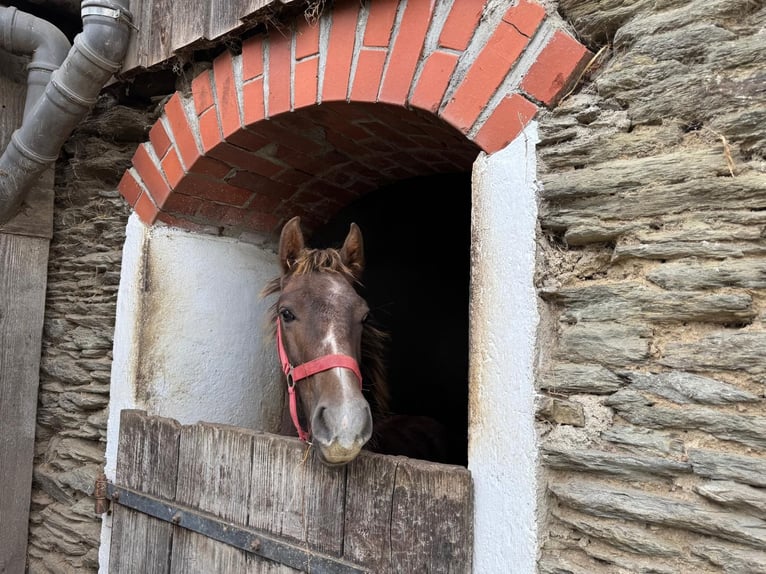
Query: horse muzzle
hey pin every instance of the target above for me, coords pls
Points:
(340, 431)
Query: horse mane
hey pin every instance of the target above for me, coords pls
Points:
(374, 339)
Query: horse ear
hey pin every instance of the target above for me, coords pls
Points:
(352, 252)
(290, 243)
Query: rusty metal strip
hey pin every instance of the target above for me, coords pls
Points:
(246, 539)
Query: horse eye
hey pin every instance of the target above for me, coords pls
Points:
(286, 315)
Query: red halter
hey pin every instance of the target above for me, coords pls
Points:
(312, 367)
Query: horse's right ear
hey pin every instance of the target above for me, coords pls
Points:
(290, 243)
(352, 252)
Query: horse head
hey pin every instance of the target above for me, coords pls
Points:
(319, 319)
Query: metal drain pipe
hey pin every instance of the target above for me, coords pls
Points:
(73, 89)
(22, 34)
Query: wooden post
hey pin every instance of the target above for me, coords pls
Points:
(24, 245)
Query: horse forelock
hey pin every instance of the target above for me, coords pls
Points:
(373, 339)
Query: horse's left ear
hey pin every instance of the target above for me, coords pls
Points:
(290, 243)
(352, 251)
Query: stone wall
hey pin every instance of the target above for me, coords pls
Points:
(83, 276)
(652, 279)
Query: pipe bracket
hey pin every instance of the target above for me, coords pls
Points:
(114, 13)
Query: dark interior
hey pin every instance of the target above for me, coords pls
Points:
(417, 242)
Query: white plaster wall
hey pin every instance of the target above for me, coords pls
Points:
(502, 449)
(188, 341)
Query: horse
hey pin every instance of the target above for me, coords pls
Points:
(332, 356)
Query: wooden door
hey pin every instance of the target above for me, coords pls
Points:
(211, 498)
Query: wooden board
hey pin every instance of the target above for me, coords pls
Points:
(147, 461)
(166, 28)
(213, 476)
(23, 277)
(24, 244)
(382, 514)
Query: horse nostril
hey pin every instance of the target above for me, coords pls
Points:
(319, 427)
(367, 429)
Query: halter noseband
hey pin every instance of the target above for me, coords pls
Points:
(304, 370)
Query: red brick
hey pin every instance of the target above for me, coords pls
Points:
(298, 160)
(213, 190)
(306, 83)
(292, 177)
(253, 102)
(252, 58)
(202, 92)
(433, 81)
(406, 51)
(180, 204)
(265, 202)
(129, 187)
(150, 174)
(264, 222)
(210, 167)
(340, 50)
(182, 223)
(506, 122)
(274, 133)
(461, 24)
(182, 132)
(348, 130)
(369, 71)
(172, 168)
(490, 67)
(555, 69)
(279, 74)
(525, 17)
(225, 215)
(248, 140)
(258, 183)
(226, 92)
(306, 39)
(159, 138)
(380, 23)
(146, 210)
(244, 159)
(209, 129)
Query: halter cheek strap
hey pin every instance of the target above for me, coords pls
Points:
(305, 370)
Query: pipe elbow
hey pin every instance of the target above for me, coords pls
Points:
(78, 78)
(23, 33)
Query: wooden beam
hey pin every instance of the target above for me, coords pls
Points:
(23, 278)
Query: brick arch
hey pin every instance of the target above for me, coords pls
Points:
(308, 118)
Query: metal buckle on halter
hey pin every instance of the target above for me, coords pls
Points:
(290, 379)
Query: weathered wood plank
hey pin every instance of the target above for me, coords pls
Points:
(23, 278)
(190, 21)
(294, 495)
(167, 27)
(160, 27)
(213, 476)
(147, 461)
(134, 54)
(367, 537)
(440, 539)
